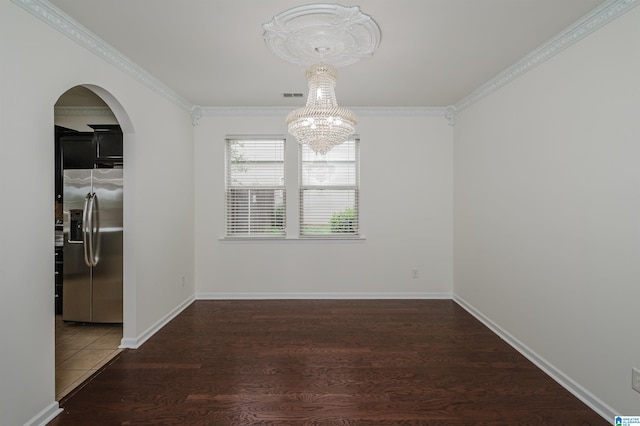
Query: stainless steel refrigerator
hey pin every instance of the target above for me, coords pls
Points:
(92, 256)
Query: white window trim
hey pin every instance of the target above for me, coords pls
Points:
(292, 206)
(255, 236)
(356, 187)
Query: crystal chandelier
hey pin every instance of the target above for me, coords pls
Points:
(322, 37)
(321, 124)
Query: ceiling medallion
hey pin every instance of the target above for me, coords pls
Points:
(330, 33)
(322, 37)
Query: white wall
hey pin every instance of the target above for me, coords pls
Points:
(406, 214)
(547, 211)
(37, 65)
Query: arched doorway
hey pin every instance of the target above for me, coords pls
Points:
(89, 297)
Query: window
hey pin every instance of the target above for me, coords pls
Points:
(329, 186)
(255, 187)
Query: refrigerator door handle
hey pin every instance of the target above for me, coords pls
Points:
(95, 230)
(91, 235)
(86, 230)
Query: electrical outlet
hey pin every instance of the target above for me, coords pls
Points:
(182, 281)
(635, 379)
(415, 273)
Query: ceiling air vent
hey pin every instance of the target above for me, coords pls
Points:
(292, 95)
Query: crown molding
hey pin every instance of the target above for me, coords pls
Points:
(597, 18)
(196, 115)
(594, 20)
(282, 111)
(57, 19)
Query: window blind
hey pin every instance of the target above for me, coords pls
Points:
(329, 191)
(255, 187)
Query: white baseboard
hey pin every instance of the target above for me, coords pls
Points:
(45, 416)
(135, 343)
(563, 380)
(274, 296)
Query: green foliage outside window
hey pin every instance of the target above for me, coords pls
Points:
(344, 222)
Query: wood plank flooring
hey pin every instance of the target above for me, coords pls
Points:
(323, 362)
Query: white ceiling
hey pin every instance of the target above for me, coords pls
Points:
(432, 52)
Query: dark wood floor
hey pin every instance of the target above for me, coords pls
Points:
(323, 362)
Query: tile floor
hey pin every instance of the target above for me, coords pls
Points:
(81, 349)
